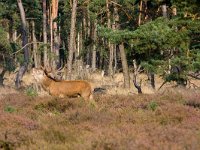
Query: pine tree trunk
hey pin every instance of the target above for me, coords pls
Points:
(164, 10)
(2, 76)
(24, 66)
(114, 48)
(45, 59)
(55, 35)
(71, 40)
(34, 45)
(140, 13)
(94, 36)
(122, 54)
(110, 45)
(55, 46)
(89, 34)
(51, 37)
(115, 59)
(124, 66)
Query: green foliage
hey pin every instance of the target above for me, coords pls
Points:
(154, 66)
(4, 43)
(97, 5)
(186, 6)
(9, 109)
(54, 106)
(30, 91)
(158, 40)
(157, 36)
(152, 105)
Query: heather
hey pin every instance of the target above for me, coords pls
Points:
(165, 120)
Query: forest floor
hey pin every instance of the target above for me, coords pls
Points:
(166, 120)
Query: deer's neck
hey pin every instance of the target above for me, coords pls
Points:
(47, 81)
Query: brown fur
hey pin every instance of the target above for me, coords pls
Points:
(63, 88)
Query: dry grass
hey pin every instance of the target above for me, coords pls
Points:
(167, 120)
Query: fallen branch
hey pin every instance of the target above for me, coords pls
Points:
(194, 76)
(162, 85)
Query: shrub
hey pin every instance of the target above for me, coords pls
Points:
(30, 91)
(152, 105)
(9, 109)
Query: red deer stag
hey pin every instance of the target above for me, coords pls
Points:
(62, 88)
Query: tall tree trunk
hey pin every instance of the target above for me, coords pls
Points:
(2, 76)
(123, 54)
(114, 47)
(71, 42)
(24, 66)
(35, 55)
(56, 46)
(56, 35)
(50, 21)
(164, 10)
(88, 36)
(110, 45)
(94, 52)
(45, 59)
(140, 13)
(124, 66)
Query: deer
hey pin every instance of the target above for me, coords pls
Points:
(62, 88)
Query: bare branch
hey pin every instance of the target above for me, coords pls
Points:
(24, 47)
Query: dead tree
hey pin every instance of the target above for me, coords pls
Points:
(24, 66)
(136, 71)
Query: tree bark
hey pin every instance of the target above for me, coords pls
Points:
(110, 45)
(94, 52)
(164, 10)
(24, 66)
(135, 77)
(35, 55)
(124, 66)
(44, 5)
(71, 40)
(56, 36)
(2, 76)
(140, 13)
(122, 53)
(152, 80)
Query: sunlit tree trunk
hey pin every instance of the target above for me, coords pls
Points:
(71, 40)
(94, 52)
(110, 45)
(114, 47)
(50, 21)
(140, 13)
(164, 10)
(35, 55)
(56, 35)
(24, 66)
(122, 54)
(45, 59)
(124, 66)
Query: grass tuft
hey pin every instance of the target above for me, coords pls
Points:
(9, 109)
